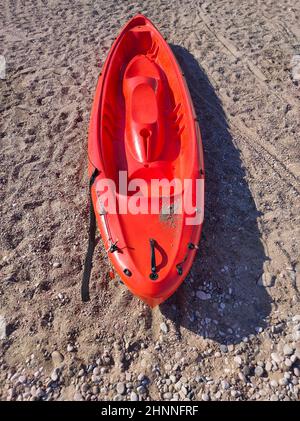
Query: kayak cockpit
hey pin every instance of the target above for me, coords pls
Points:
(146, 129)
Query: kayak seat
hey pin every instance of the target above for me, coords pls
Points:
(142, 92)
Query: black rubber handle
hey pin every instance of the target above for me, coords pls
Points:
(153, 274)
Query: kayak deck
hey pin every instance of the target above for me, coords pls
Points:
(143, 123)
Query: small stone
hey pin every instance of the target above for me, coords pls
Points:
(287, 350)
(266, 280)
(223, 348)
(78, 396)
(168, 367)
(56, 265)
(205, 397)
(276, 357)
(242, 377)
(134, 397)
(283, 381)
(121, 388)
(54, 375)
(288, 363)
(182, 396)
(203, 295)
(96, 371)
(173, 378)
(81, 372)
(95, 390)
(141, 390)
(234, 393)
(296, 371)
(184, 390)
(268, 366)
(40, 393)
(274, 384)
(57, 358)
(296, 337)
(178, 386)
(238, 361)
(164, 327)
(225, 385)
(259, 371)
(141, 377)
(70, 348)
(84, 388)
(218, 395)
(167, 396)
(295, 381)
(95, 379)
(2, 328)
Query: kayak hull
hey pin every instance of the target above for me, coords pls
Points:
(143, 127)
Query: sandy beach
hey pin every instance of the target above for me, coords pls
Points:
(232, 330)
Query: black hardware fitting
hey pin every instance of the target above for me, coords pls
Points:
(153, 275)
(127, 272)
(113, 248)
(179, 269)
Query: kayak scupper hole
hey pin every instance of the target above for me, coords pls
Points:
(127, 272)
(145, 133)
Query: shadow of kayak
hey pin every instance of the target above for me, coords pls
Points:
(231, 255)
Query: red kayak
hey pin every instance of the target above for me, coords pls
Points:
(143, 131)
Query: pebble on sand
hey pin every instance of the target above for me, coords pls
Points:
(121, 388)
(2, 327)
(287, 350)
(141, 390)
(266, 280)
(276, 357)
(134, 397)
(2, 67)
(164, 327)
(57, 358)
(55, 375)
(259, 371)
(205, 397)
(56, 265)
(203, 295)
(78, 396)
